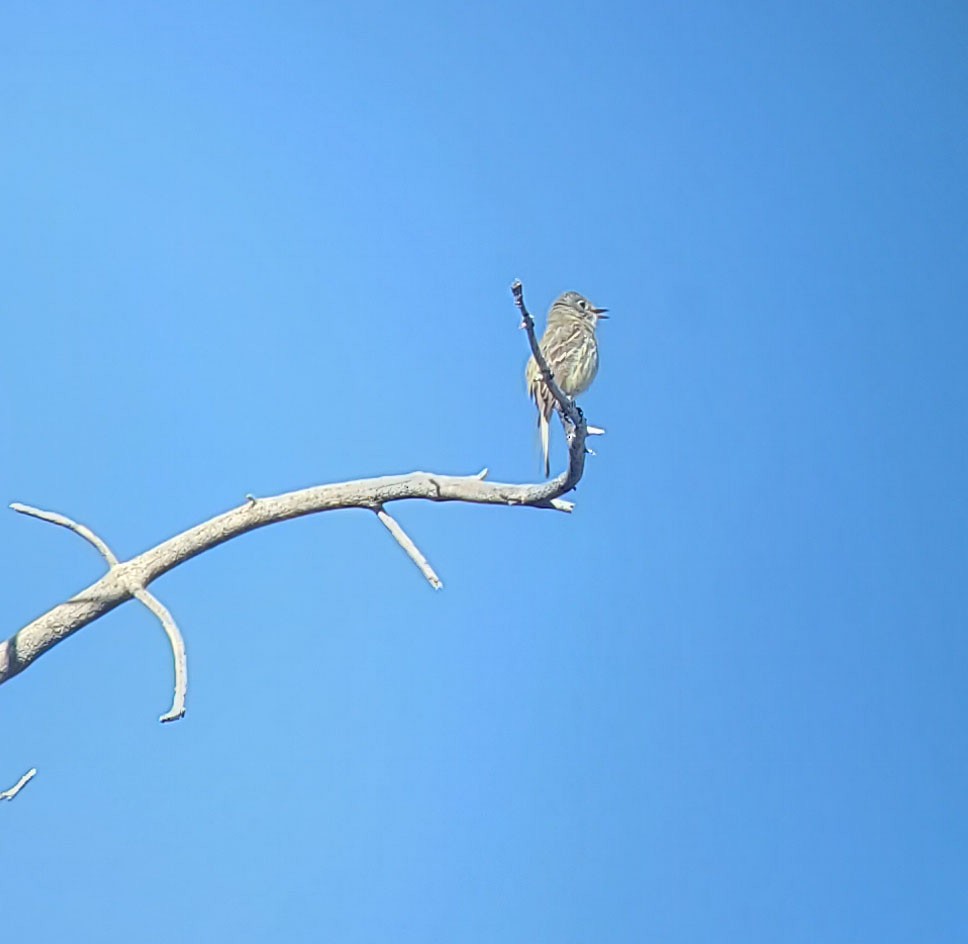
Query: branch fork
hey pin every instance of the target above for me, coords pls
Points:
(135, 589)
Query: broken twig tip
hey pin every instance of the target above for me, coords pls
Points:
(19, 785)
(411, 549)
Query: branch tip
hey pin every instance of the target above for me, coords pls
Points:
(19, 785)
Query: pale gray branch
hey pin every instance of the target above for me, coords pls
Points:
(115, 587)
(19, 785)
(413, 552)
(127, 579)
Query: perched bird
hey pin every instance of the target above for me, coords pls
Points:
(571, 350)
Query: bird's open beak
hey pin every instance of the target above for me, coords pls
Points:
(600, 312)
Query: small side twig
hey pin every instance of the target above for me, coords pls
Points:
(138, 591)
(413, 552)
(177, 644)
(19, 785)
(63, 521)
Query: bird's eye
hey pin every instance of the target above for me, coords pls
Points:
(582, 305)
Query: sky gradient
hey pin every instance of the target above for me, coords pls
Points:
(250, 248)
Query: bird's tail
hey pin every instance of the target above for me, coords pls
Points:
(545, 434)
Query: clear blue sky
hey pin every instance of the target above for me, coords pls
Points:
(251, 247)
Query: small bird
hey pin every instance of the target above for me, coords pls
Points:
(571, 350)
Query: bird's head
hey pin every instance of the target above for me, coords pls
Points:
(576, 305)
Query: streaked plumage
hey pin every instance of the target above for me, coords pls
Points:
(571, 350)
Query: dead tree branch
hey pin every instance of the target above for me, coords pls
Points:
(126, 580)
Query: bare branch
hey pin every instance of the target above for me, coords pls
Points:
(19, 785)
(413, 552)
(129, 579)
(115, 587)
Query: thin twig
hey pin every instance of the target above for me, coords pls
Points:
(413, 552)
(19, 785)
(177, 644)
(85, 532)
